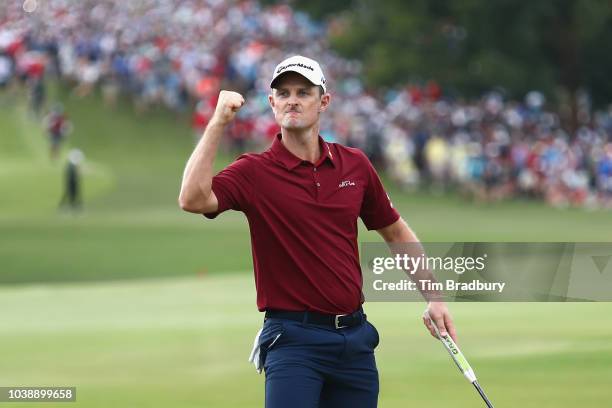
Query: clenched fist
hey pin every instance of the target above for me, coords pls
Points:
(228, 105)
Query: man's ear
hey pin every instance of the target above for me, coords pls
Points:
(325, 100)
(271, 101)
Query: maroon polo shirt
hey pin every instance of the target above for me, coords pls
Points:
(303, 223)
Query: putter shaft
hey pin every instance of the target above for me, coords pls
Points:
(482, 394)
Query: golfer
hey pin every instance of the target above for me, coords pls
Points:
(302, 198)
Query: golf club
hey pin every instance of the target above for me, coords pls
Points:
(460, 361)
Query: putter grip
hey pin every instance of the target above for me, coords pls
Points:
(455, 353)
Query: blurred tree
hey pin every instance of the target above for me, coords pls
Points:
(469, 46)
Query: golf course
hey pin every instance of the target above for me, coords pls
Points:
(139, 304)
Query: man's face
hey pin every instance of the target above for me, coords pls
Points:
(296, 102)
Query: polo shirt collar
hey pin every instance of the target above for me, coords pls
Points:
(291, 161)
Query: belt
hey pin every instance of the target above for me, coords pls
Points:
(323, 319)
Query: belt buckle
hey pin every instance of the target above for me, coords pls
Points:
(337, 321)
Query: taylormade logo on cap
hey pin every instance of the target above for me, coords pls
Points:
(299, 64)
(306, 67)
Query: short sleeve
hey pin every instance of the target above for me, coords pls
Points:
(234, 186)
(376, 209)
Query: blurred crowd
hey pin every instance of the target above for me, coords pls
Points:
(179, 54)
(492, 149)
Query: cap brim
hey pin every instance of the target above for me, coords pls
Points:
(275, 80)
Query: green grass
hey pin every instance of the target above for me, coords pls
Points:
(185, 342)
(131, 226)
(141, 305)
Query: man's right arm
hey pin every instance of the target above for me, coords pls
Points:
(196, 189)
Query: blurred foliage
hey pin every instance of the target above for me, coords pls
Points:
(470, 46)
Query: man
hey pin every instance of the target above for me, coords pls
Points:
(302, 198)
(72, 181)
(57, 128)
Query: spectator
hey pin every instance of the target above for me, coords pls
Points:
(57, 128)
(72, 182)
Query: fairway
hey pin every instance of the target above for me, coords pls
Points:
(138, 304)
(185, 342)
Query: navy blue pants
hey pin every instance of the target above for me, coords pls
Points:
(311, 366)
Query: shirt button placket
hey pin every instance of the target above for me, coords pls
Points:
(316, 180)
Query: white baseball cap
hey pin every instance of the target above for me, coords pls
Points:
(306, 67)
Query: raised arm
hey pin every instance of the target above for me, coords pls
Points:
(196, 188)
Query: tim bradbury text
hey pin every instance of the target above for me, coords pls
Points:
(448, 285)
